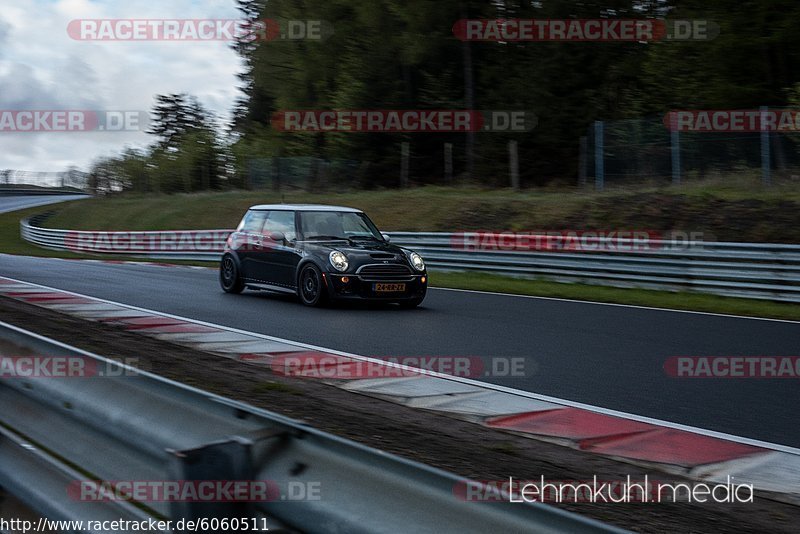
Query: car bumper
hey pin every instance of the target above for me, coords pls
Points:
(345, 287)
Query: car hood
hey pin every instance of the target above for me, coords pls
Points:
(364, 247)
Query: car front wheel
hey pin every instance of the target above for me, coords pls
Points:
(229, 276)
(311, 287)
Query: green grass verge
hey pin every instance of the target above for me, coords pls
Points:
(12, 243)
(724, 212)
(680, 300)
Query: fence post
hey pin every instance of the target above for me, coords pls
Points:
(276, 173)
(599, 167)
(675, 147)
(513, 165)
(404, 156)
(582, 148)
(448, 163)
(766, 179)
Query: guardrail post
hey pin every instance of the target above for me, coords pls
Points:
(220, 462)
(229, 461)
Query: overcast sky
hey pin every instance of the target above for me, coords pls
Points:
(42, 68)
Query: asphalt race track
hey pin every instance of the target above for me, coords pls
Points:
(609, 356)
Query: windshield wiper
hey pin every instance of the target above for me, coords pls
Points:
(370, 237)
(326, 238)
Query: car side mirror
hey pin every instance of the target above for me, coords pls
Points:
(386, 237)
(280, 237)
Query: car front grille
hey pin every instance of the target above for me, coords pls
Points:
(387, 271)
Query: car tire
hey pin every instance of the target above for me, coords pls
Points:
(229, 276)
(311, 287)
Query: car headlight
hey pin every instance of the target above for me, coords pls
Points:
(338, 260)
(416, 261)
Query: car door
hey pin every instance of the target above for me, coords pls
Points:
(278, 259)
(249, 238)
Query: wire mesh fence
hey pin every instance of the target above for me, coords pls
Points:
(612, 153)
(625, 152)
(302, 173)
(72, 179)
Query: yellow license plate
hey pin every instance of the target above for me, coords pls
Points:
(389, 288)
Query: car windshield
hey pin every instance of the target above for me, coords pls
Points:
(337, 225)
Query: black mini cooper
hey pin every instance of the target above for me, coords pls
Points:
(320, 253)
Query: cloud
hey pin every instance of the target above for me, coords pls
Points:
(41, 67)
(5, 30)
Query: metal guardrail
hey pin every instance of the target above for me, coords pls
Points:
(127, 425)
(71, 179)
(749, 270)
(200, 245)
(28, 191)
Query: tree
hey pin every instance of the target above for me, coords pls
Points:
(188, 153)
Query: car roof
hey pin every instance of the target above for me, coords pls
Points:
(303, 207)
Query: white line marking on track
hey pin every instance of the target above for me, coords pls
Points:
(616, 304)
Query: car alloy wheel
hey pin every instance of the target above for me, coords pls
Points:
(312, 291)
(229, 277)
